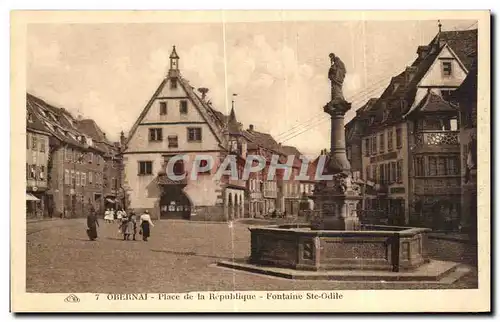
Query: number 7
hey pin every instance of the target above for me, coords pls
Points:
(96, 296)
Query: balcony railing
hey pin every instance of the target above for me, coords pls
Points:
(237, 182)
(437, 138)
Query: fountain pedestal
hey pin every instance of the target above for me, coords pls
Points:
(335, 246)
(337, 199)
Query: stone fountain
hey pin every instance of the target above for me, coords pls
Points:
(335, 245)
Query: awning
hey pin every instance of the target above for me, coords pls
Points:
(110, 200)
(164, 180)
(30, 197)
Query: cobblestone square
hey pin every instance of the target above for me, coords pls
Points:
(179, 257)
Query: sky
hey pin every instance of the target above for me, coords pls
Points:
(278, 70)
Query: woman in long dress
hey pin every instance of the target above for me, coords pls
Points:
(146, 224)
(92, 225)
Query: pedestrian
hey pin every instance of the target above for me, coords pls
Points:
(92, 225)
(119, 215)
(123, 227)
(146, 224)
(132, 225)
(107, 216)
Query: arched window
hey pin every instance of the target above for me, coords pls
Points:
(179, 167)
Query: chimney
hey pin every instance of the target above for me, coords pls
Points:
(422, 51)
(104, 134)
(250, 128)
(203, 91)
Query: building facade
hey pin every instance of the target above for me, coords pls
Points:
(263, 190)
(75, 166)
(37, 158)
(180, 133)
(410, 142)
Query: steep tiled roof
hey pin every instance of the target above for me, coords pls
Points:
(33, 121)
(264, 139)
(399, 96)
(58, 122)
(463, 42)
(290, 150)
(432, 102)
(357, 125)
(55, 114)
(90, 128)
(468, 89)
(205, 111)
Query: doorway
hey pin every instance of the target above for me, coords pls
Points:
(174, 204)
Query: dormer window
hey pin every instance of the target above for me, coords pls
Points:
(395, 87)
(234, 146)
(30, 117)
(446, 68)
(410, 73)
(49, 125)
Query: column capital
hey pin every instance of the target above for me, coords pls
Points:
(337, 108)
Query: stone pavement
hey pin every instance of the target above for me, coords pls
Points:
(179, 257)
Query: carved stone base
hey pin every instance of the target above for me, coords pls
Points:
(338, 223)
(337, 202)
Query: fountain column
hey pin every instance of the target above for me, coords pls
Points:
(338, 197)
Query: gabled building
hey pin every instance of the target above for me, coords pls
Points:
(410, 145)
(176, 127)
(75, 164)
(263, 192)
(465, 97)
(37, 158)
(111, 170)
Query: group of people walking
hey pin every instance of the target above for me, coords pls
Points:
(127, 224)
(110, 216)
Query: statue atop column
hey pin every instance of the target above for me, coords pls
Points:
(336, 74)
(337, 198)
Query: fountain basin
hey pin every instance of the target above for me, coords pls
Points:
(374, 247)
